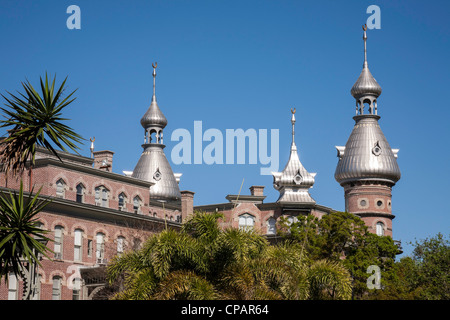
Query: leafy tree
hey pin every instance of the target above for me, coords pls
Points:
(203, 261)
(342, 236)
(425, 275)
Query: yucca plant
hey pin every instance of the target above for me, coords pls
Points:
(34, 119)
(20, 236)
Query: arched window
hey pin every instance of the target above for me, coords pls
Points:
(246, 221)
(137, 204)
(60, 188)
(380, 228)
(58, 243)
(76, 289)
(122, 202)
(271, 228)
(120, 244)
(101, 196)
(100, 249)
(80, 193)
(78, 245)
(56, 289)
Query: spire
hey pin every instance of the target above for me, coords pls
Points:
(153, 165)
(367, 154)
(366, 89)
(154, 81)
(365, 65)
(153, 120)
(293, 129)
(294, 181)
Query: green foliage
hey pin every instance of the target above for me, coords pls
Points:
(35, 119)
(19, 233)
(203, 261)
(424, 275)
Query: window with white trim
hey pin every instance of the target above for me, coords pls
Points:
(56, 288)
(271, 226)
(58, 242)
(13, 285)
(100, 250)
(380, 228)
(137, 205)
(101, 196)
(78, 245)
(120, 244)
(60, 188)
(122, 202)
(76, 289)
(246, 221)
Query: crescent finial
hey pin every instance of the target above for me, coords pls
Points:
(293, 111)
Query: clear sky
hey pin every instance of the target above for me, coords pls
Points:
(244, 64)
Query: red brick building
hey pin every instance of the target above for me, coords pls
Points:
(96, 214)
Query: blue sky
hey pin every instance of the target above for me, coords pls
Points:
(244, 64)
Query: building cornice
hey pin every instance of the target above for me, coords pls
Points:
(43, 162)
(96, 213)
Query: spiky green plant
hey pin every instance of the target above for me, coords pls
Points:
(19, 230)
(34, 119)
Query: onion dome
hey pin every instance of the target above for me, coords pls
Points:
(367, 154)
(153, 165)
(153, 117)
(366, 85)
(366, 89)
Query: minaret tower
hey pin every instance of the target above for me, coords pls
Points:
(367, 167)
(153, 165)
(294, 181)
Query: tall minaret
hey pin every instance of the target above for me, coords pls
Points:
(294, 181)
(153, 165)
(367, 167)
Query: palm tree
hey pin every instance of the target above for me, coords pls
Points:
(203, 261)
(20, 235)
(32, 119)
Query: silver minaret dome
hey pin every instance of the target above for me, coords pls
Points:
(154, 117)
(367, 154)
(366, 89)
(153, 165)
(294, 181)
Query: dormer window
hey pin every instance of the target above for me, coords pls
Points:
(246, 221)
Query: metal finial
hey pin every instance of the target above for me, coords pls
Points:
(154, 65)
(92, 146)
(293, 124)
(364, 27)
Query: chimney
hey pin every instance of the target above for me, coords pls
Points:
(257, 190)
(103, 160)
(187, 204)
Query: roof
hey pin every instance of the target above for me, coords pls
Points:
(367, 154)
